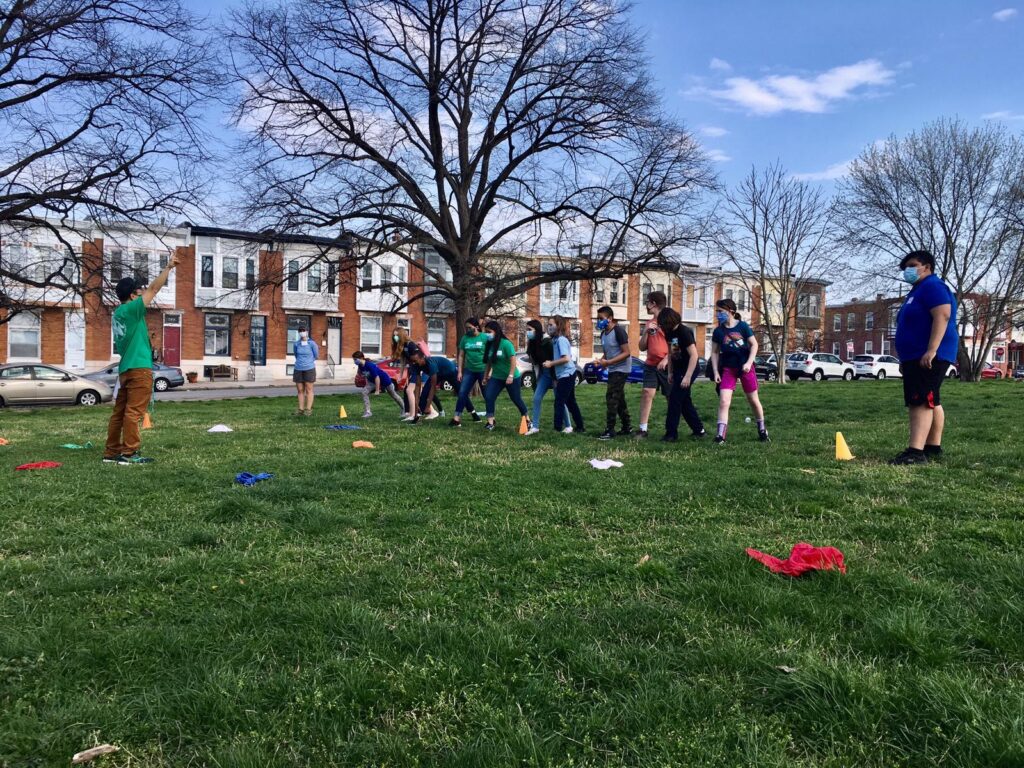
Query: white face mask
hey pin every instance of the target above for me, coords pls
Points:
(303, 335)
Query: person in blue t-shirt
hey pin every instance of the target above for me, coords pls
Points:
(926, 344)
(565, 375)
(306, 354)
(377, 381)
(733, 349)
(430, 373)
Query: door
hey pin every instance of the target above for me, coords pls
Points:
(16, 384)
(74, 341)
(334, 339)
(172, 340)
(52, 386)
(257, 340)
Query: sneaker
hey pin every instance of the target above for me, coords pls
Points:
(367, 414)
(308, 412)
(626, 432)
(700, 435)
(933, 452)
(133, 459)
(414, 420)
(640, 434)
(111, 459)
(532, 431)
(433, 415)
(580, 431)
(909, 457)
(763, 436)
(476, 416)
(441, 414)
(298, 412)
(719, 440)
(606, 435)
(408, 417)
(669, 439)
(567, 431)
(489, 427)
(454, 423)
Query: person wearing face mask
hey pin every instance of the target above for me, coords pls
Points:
(377, 381)
(615, 344)
(926, 344)
(306, 354)
(501, 373)
(470, 369)
(430, 372)
(539, 348)
(733, 349)
(565, 376)
(652, 341)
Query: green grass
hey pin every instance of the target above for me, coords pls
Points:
(469, 599)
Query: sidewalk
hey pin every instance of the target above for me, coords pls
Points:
(262, 384)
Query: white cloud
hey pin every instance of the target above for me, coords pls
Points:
(1002, 115)
(717, 156)
(1004, 15)
(791, 93)
(720, 64)
(833, 172)
(712, 131)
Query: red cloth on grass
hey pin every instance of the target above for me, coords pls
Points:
(802, 559)
(40, 465)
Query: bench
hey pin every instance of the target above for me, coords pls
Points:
(215, 372)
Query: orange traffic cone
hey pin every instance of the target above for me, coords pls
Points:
(842, 449)
(147, 423)
(524, 425)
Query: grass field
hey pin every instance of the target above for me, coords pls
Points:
(458, 598)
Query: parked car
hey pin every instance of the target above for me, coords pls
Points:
(592, 374)
(391, 369)
(1018, 372)
(877, 366)
(526, 370)
(765, 367)
(34, 384)
(164, 376)
(991, 372)
(818, 366)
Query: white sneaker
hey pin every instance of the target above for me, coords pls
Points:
(567, 431)
(432, 415)
(367, 414)
(532, 431)
(408, 417)
(441, 413)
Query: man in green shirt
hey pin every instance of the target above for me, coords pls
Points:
(135, 371)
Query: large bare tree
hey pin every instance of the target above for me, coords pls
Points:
(98, 121)
(956, 191)
(481, 129)
(778, 232)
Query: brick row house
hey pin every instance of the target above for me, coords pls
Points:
(214, 310)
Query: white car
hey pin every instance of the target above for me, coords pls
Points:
(818, 366)
(877, 366)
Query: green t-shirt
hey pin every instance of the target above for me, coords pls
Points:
(503, 361)
(473, 349)
(131, 337)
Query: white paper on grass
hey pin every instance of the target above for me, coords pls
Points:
(220, 428)
(605, 463)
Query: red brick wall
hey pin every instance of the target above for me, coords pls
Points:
(98, 345)
(3, 336)
(51, 333)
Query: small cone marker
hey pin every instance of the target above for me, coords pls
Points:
(147, 423)
(341, 412)
(524, 425)
(842, 449)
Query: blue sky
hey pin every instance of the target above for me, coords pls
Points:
(812, 83)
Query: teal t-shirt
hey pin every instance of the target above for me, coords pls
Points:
(131, 336)
(473, 352)
(503, 360)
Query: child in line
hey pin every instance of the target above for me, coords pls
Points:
(377, 381)
(565, 376)
(733, 349)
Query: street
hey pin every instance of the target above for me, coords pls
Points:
(185, 394)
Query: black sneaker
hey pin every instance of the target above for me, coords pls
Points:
(580, 431)
(640, 434)
(908, 457)
(454, 423)
(763, 436)
(933, 452)
(476, 416)
(700, 435)
(719, 440)
(489, 427)
(669, 439)
(111, 459)
(416, 420)
(606, 435)
(132, 459)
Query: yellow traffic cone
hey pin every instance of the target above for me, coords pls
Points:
(147, 423)
(341, 412)
(842, 449)
(524, 425)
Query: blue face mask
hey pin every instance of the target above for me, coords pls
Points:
(910, 275)
(490, 336)
(530, 335)
(722, 317)
(602, 324)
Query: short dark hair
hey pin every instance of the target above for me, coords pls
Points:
(668, 319)
(658, 298)
(126, 286)
(474, 321)
(606, 310)
(358, 354)
(925, 257)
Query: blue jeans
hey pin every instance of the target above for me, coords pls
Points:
(493, 389)
(565, 398)
(543, 381)
(469, 378)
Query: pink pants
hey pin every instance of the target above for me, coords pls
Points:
(731, 375)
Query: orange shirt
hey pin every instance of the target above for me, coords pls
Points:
(657, 346)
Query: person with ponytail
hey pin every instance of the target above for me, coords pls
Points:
(565, 376)
(733, 349)
(540, 349)
(502, 372)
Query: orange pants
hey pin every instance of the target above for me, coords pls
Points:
(136, 389)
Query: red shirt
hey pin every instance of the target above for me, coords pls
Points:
(657, 346)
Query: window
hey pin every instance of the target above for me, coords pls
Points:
(19, 372)
(851, 321)
(837, 322)
(250, 274)
(403, 322)
(294, 323)
(162, 260)
(886, 347)
(705, 297)
(369, 335)
(835, 346)
(807, 305)
(869, 321)
(116, 266)
(617, 292)
(141, 273)
(741, 300)
(217, 336)
(400, 279)
(437, 333)
(366, 278)
(43, 373)
(332, 277)
(229, 272)
(293, 275)
(313, 278)
(206, 280)
(23, 336)
(869, 347)
(599, 292)
(893, 314)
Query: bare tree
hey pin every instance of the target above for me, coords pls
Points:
(956, 191)
(482, 130)
(779, 233)
(98, 120)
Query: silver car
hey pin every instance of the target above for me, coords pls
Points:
(36, 384)
(526, 370)
(164, 376)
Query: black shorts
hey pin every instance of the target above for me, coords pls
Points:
(304, 377)
(921, 385)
